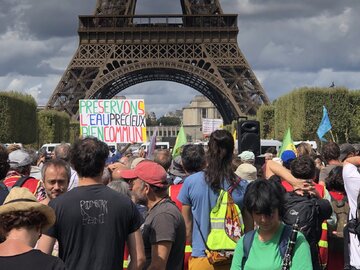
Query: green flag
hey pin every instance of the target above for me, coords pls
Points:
(180, 141)
(287, 143)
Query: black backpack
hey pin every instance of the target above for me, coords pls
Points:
(4, 190)
(354, 223)
(305, 210)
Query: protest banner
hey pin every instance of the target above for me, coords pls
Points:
(210, 125)
(113, 120)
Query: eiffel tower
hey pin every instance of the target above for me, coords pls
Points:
(118, 49)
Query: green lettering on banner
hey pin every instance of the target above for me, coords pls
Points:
(84, 131)
(113, 104)
(134, 107)
(88, 106)
(97, 132)
(81, 105)
(120, 105)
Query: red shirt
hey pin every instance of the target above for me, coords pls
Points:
(34, 185)
(318, 187)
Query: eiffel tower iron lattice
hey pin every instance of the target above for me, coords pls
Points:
(198, 48)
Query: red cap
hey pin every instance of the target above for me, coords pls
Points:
(148, 171)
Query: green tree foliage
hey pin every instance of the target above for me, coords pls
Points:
(18, 122)
(266, 116)
(54, 126)
(74, 131)
(169, 121)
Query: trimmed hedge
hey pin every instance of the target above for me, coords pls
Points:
(266, 116)
(74, 132)
(301, 110)
(354, 109)
(54, 126)
(18, 121)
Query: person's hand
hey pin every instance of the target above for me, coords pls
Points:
(303, 187)
(142, 153)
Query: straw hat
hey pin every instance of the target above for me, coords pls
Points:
(21, 199)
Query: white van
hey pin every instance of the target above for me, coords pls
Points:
(48, 147)
(159, 145)
(266, 144)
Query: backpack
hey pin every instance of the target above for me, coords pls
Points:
(306, 210)
(354, 223)
(4, 190)
(226, 228)
(249, 238)
(341, 209)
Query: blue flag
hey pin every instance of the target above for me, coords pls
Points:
(324, 126)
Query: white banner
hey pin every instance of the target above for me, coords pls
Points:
(113, 120)
(210, 125)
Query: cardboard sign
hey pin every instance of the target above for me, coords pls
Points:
(210, 125)
(113, 120)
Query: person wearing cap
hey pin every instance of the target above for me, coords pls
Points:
(247, 172)
(247, 157)
(93, 221)
(331, 154)
(164, 228)
(346, 151)
(22, 220)
(20, 166)
(287, 157)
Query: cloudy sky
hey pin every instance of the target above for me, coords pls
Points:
(289, 44)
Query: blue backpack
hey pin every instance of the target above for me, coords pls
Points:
(249, 238)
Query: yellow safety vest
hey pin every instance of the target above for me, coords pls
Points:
(217, 238)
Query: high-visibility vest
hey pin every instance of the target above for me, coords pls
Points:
(174, 191)
(218, 238)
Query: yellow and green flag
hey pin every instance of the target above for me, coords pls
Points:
(287, 143)
(180, 141)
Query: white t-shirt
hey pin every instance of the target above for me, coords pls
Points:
(351, 178)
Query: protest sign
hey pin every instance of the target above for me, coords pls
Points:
(210, 125)
(113, 120)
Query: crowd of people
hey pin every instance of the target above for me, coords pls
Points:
(83, 209)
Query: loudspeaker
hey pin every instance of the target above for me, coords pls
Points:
(249, 136)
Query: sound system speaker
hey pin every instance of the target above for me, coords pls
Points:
(249, 136)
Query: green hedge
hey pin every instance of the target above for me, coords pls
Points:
(74, 131)
(301, 110)
(54, 126)
(354, 108)
(18, 121)
(266, 116)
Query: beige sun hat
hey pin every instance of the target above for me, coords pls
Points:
(21, 199)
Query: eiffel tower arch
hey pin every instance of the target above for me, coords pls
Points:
(198, 48)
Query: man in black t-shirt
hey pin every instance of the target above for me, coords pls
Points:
(93, 222)
(164, 227)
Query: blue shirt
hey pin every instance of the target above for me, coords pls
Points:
(198, 194)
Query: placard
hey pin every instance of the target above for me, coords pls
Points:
(210, 125)
(113, 120)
